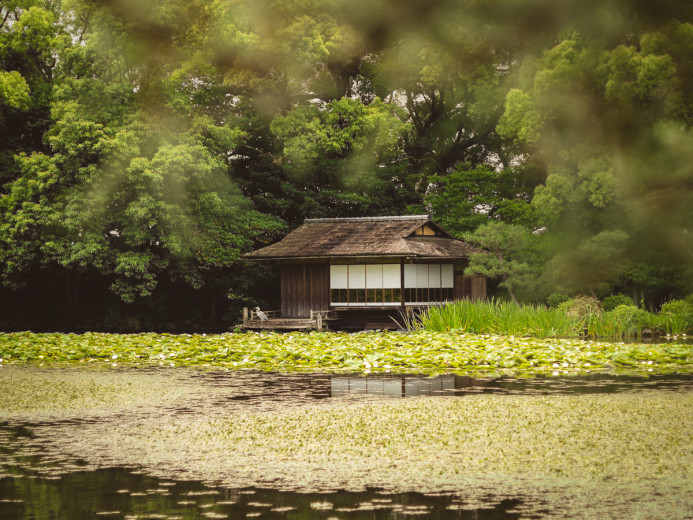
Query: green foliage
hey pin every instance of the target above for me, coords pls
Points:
(556, 298)
(521, 120)
(591, 266)
(507, 254)
(615, 300)
(578, 317)
(422, 351)
(154, 142)
(339, 154)
(469, 197)
(138, 194)
(345, 143)
(14, 90)
(676, 317)
(596, 110)
(502, 317)
(624, 321)
(652, 281)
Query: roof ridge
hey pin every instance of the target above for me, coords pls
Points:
(369, 219)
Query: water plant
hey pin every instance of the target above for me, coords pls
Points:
(421, 351)
(580, 317)
(502, 317)
(625, 321)
(676, 317)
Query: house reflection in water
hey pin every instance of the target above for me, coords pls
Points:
(400, 386)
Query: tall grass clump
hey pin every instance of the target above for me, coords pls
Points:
(676, 317)
(578, 317)
(625, 321)
(502, 317)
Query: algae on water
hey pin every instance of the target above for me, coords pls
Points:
(612, 455)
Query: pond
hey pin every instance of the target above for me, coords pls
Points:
(123, 493)
(78, 443)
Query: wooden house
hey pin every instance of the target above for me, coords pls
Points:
(364, 271)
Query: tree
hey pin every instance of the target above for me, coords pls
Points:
(469, 197)
(137, 191)
(508, 255)
(345, 155)
(604, 115)
(144, 145)
(592, 266)
(31, 36)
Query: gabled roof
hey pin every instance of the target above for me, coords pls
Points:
(365, 236)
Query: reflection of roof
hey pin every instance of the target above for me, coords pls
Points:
(367, 236)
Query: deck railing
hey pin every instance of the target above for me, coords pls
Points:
(251, 315)
(319, 316)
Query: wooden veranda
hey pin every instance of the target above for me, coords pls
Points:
(318, 320)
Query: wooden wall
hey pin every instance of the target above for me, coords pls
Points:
(478, 284)
(305, 287)
(469, 287)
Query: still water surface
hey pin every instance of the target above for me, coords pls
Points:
(37, 484)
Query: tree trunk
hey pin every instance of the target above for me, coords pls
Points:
(512, 295)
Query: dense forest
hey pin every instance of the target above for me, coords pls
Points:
(145, 145)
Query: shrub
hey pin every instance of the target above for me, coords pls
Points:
(581, 307)
(628, 320)
(556, 298)
(676, 317)
(616, 300)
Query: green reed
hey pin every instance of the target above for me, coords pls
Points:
(507, 318)
(502, 317)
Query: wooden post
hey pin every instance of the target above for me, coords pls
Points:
(245, 315)
(401, 282)
(318, 321)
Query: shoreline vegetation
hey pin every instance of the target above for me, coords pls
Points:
(581, 317)
(419, 351)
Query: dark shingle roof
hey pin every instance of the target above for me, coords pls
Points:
(365, 236)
